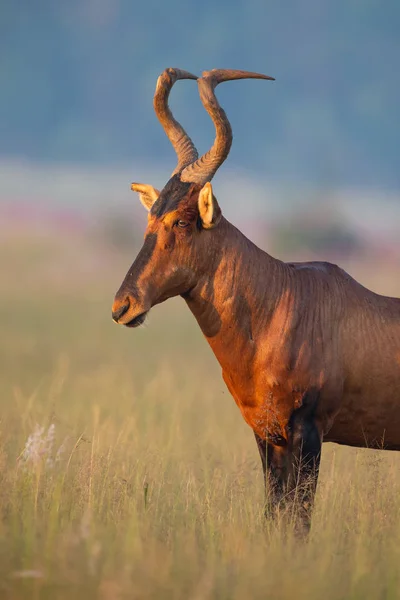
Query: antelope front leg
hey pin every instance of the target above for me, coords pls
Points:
(291, 470)
(273, 464)
(304, 448)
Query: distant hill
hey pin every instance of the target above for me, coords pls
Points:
(77, 80)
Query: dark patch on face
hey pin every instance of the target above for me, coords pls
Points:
(170, 196)
(140, 263)
(170, 244)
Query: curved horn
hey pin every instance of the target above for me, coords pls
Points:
(183, 145)
(204, 169)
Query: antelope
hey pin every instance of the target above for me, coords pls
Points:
(308, 354)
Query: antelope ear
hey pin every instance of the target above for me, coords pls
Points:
(147, 194)
(210, 212)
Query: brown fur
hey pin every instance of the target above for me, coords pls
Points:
(308, 354)
(288, 336)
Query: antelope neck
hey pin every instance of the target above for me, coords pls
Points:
(237, 296)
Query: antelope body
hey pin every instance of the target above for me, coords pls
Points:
(308, 354)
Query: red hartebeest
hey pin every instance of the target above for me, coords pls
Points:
(308, 354)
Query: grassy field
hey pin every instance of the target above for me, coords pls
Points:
(128, 472)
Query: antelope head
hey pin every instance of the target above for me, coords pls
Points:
(184, 234)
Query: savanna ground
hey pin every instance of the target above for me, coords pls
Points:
(127, 470)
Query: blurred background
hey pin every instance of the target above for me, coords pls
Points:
(135, 447)
(315, 161)
(313, 171)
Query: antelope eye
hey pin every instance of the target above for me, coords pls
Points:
(181, 223)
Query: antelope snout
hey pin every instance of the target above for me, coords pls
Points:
(119, 308)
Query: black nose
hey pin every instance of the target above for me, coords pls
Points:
(117, 314)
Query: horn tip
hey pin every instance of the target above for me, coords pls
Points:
(174, 73)
(228, 74)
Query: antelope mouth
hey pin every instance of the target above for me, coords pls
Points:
(137, 321)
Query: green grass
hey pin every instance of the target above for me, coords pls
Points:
(157, 490)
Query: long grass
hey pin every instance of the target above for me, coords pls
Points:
(128, 472)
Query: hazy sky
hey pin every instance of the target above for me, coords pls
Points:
(77, 81)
